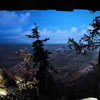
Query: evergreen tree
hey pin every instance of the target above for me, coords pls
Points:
(90, 41)
(40, 58)
(40, 55)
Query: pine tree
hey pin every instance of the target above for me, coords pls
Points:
(90, 41)
(40, 55)
(40, 58)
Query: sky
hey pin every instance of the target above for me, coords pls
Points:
(56, 25)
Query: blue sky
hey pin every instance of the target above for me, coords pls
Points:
(56, 25)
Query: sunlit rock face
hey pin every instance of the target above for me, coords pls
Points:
(87, 70)
(3, 91)
(84, 72)
(89, 98)
(60, 50)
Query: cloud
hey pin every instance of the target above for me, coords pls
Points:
(73, 30)
(24, 16)
(84, 31)
(12, 25)
(11, 19)
(76, 34)
(10, 32)
(81, 33)
(83, 26)
(58, 36)
(61, 36)
(90, 27)
(57, 33)
(27, 33)
(13, 30)
(61, 32)
(45, 32)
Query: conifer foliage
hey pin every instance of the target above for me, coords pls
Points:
(90, 41)
(47, 87)
(40, 55)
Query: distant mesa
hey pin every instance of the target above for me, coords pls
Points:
(87, 70)
(61, 50)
